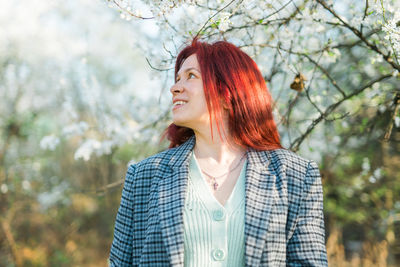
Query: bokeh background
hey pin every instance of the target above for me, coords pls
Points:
(84, 91)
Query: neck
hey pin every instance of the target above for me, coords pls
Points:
(219, 149)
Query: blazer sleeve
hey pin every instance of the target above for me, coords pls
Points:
(121, 248)
(306, 247)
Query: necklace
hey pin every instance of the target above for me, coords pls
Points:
(213, 179)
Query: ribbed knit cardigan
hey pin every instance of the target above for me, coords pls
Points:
(213, 234)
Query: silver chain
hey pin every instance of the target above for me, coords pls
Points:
(214, 178)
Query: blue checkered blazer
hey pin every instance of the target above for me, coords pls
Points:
(284, 223)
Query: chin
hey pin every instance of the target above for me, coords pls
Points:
(183, 123)
(179, 122)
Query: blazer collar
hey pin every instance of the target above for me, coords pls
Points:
(260, 195)
(181, 154)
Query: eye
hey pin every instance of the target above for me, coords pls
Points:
(190, 75)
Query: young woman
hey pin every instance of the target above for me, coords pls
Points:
(226, 193)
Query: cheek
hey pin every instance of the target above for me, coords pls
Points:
(202, 101)
(200, 106)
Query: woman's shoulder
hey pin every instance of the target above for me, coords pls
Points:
(154, 161)
(167, 157)
(291, 163)
(287, 157)
(144, 171)
(296, 172)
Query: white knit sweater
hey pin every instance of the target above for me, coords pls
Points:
(213, 234)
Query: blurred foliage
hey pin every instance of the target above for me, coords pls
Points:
(59, 214)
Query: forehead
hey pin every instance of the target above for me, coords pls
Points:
(190, 62)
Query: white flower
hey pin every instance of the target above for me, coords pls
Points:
(316, 98)
(224, 21)
(320, 28)
(397, 122)
(378, 173)
(86, 149)
(49, 142)
(332, 55)
(393, 32)
(366, 166)
(26, 185)
(48, 199)
(105, 148)
(4, 188)
(91, 146)
(336, 140)
(356, 21)
(69, 109)
(75, 129)
(377, 58)
(372, 179)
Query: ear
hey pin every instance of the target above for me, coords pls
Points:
(224, 101)
(224, 104)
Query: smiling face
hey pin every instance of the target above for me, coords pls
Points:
(189, 103)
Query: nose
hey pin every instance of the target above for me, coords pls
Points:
(176, 89)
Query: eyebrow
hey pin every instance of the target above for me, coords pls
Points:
(187, 70)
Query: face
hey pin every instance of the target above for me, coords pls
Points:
(189, 104)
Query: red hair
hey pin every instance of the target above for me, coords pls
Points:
(230, 75)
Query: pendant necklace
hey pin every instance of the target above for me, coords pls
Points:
(213, 179)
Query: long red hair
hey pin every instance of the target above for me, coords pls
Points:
(230, 75)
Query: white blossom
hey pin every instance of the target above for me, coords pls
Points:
(316, 98)
(4, 188)
(397, 121)
(378, 58)
(331, 56)
(87, 148)
(26, 185)
(49, 142)
(75, 129)
(366, 166)
(378, 173)
(372, 179)
(224, 22)
(57, 194)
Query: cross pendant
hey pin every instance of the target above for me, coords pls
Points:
(215, 186)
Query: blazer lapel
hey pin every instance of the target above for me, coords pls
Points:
(171, 200)
(260, 192)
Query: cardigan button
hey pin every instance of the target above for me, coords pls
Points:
(218, 215)
(218, 254)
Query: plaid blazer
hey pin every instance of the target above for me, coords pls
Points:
(284, 224)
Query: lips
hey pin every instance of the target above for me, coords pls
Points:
(178, 104)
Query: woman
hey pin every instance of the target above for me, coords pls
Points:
(226, 193)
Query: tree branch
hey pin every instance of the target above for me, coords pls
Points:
(296, 143)
(396, 109)
(129, 12)
(216, 13)
(387, 57)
